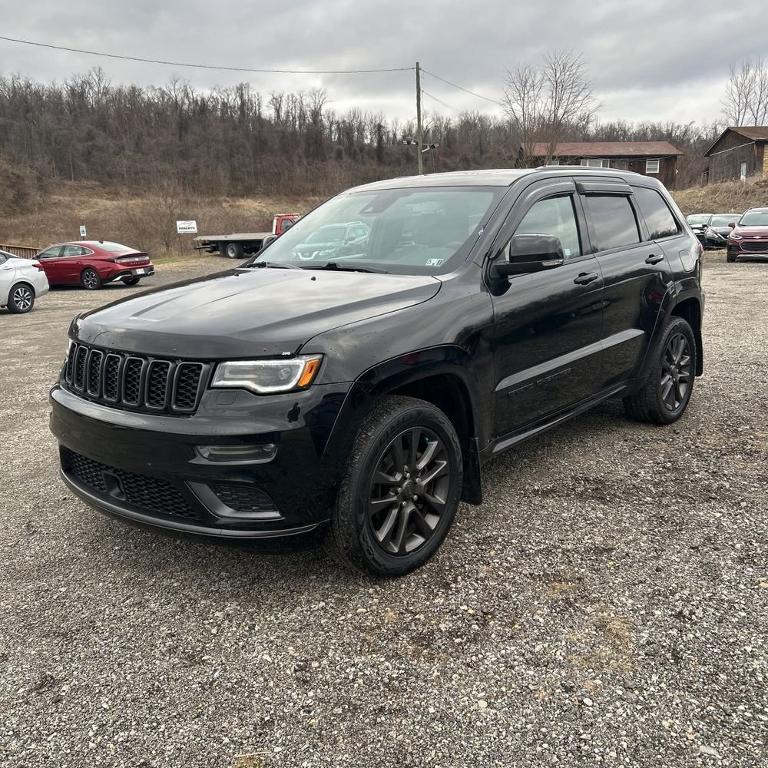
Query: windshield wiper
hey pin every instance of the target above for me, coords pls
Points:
(270, 265)
(337, 267)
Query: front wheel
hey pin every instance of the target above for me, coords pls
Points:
(730, 257)
(21, 299)
(401, 490)
(667, 391)
(90, 279)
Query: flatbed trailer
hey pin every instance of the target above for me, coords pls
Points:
(238, 245)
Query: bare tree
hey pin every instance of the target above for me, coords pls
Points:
(746, 95)
(524, 105)
(548, 101)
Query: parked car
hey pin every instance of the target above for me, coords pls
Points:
(749, 236)
(22, 282)
(92, 263)
(365, 392)
(712, 229)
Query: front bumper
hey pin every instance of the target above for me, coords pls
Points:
(748, 249)
(147, 469)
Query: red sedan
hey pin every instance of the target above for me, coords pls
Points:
(91, 263)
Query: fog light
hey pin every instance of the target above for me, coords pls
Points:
(237, 454)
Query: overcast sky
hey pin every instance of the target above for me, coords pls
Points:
(650, 60)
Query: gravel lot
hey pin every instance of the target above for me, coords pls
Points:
(607, 604)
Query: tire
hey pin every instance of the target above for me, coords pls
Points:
(384, 538)
(234, 251)
(90, 280)
(21, 299)
(132, 280)
(672, 370)
(730, 257)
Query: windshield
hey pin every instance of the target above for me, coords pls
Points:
(405, 231)
(754, 219)
(697, 218)
(724, 219)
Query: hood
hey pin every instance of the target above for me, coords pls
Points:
(248, 312)
(758, 232)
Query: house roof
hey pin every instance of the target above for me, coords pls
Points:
(749, 132)
(609, 149)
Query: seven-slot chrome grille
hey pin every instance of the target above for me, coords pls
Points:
(134, 382)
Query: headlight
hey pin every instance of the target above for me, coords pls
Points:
(734, 236)
(268, 376)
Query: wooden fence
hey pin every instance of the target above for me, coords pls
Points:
(22, 251)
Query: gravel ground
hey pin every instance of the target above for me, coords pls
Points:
(606, 605)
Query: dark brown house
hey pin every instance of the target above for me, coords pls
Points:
(652, 158)
(738, 154)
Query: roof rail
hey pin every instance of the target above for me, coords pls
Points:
(581, 168)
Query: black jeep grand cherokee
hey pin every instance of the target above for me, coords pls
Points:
(363, 383)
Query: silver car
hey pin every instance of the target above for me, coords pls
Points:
(21, 282)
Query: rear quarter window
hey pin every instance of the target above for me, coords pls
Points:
(612, 221)
(656, 212)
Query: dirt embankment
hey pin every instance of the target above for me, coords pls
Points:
(147, 218)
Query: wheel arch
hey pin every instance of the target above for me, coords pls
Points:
(690, 309)
(23, 282)
(438, 376)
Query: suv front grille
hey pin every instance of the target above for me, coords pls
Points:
(146, 494)
(132, 382)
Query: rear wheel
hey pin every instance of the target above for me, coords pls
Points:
(21, 299)
(665, 395)
(90, 279)
(401, 490)
(132, 280)
(234, 251)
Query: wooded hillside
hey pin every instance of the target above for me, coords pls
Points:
(233, 141)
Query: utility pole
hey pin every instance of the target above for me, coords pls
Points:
(419, 132)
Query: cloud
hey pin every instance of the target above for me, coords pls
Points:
(651, 60)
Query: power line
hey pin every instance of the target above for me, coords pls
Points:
(439, 101)
(461, 88)
(207, 66)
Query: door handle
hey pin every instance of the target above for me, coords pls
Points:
(585, 278)
(655, 258)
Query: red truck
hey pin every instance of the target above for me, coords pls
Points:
(241, 244)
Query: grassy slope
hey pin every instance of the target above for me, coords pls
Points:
(148, 220)
(730, 197)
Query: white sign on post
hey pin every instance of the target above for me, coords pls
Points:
(83, 233)
(186, 227)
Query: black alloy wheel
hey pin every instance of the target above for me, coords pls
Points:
(21, 299)
(400, 490)
(676, 372)
(409, 491)
(665, 394)
(90, 279)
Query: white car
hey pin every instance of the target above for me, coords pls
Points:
(21, 282)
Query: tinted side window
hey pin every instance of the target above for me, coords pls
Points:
(612, 221)
(50, 253)
(2, 259)
(554, 216)
(658, 217)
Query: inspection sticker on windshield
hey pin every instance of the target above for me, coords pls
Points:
(435, 262)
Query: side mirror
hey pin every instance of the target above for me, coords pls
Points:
(530, 253)
(732, 224)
